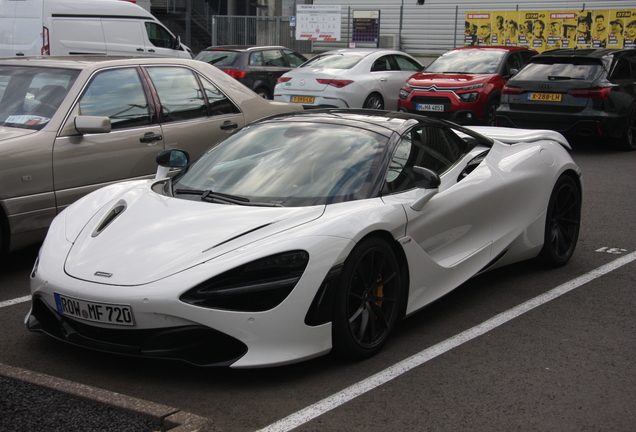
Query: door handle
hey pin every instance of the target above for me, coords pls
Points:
(383, 79)
(140, 49)
(151, 50)
(150, 137)
(228, 125)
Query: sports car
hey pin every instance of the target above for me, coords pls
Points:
(301, 234)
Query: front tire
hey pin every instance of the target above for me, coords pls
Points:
(490, 112)
(368, 299)
(374, 101)
(563, 221)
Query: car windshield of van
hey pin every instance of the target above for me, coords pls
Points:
(217, 58)
(30, 96)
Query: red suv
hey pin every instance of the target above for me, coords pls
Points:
(463, 85)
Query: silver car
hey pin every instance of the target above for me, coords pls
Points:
(70, 125)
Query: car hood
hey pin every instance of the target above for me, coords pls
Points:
(7, 133)
(447, 80)
(156, 236)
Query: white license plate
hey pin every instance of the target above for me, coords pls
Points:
(92, 311)
(429, 107)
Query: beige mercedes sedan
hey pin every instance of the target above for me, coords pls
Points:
(70, 125)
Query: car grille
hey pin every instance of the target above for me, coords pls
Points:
(198, 345)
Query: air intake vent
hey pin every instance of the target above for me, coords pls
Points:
(111, 216)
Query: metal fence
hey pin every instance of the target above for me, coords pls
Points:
(255, 30)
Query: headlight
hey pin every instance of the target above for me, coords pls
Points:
(404, 93)
(254, 287)
(469, 97)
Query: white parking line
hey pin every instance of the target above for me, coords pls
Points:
(15, 301)
(311, 412)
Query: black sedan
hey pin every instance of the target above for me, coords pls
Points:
(258, 67)
(589, 93)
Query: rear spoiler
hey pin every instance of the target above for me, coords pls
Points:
(514, 136)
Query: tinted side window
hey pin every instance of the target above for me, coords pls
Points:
(429, 147)
(118, 94)
(179, 92)
(381, 64)
(273, 58)
(219, 103)
(406, 64)
(294, 59)
(256, 59)
(622, 71)
(158, 35)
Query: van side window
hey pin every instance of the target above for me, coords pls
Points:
(159, 36)
(179, 92)
(118, 94)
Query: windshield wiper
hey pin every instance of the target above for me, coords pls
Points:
(563, 78)
(210, 196)
(216, 60)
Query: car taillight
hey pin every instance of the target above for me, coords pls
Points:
(334, 82)
(282, 80)
(46, 47)
(234, 73)
(512, 90)
(593, 93)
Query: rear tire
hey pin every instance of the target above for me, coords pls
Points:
(374, 101)
(627, 141)
(563, 220)
(367, 301)
(264, 93)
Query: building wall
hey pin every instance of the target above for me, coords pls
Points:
(438, 25)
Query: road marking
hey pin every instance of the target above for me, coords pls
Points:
(321, 407)
(15, 301)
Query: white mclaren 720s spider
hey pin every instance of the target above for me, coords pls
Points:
(301, 234)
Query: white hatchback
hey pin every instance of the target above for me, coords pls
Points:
(348, 78)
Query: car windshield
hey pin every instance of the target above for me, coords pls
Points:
(561, 69)
(334, 61)
(217, 58)
(287, 163)
(468, 61)
(30, 96)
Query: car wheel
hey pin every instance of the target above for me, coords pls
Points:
(628, 140)
(263, 92)
(367, 301)
(490, 112)
(563, 220)
(374, 101)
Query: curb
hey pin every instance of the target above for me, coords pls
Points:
(174, 420)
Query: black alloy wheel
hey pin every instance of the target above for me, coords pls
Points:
(368, 300)
(627, 142)
(490, 112)
(563, 221)
(374, 101)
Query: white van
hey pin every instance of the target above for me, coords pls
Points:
(84, 27)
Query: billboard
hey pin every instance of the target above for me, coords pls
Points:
(547, 30)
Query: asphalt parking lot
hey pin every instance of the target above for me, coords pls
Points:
(476, 360)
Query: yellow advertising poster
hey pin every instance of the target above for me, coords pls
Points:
(548, 30)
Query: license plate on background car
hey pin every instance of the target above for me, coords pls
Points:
(429, 107)
(303, 99)
(550, 97)
(93, 311)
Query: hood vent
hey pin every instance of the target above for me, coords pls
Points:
(116, 211)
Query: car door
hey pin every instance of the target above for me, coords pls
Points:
(391, 77)
(124, 37)
(83, 163)
(195, 114)
(454, 230)
(159, 42)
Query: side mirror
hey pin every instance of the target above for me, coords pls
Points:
(177, 43)
(170, 159)
(428, 182)
(92, 124)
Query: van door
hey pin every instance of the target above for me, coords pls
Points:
(83, 163)
(77, 36)
(161, 43)
(20, 28)
(124, 37)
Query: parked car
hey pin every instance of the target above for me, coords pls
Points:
(70, 125)
(583, 92)
(301, 233)
(258, 67)
(348, 78)
(464, 84)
